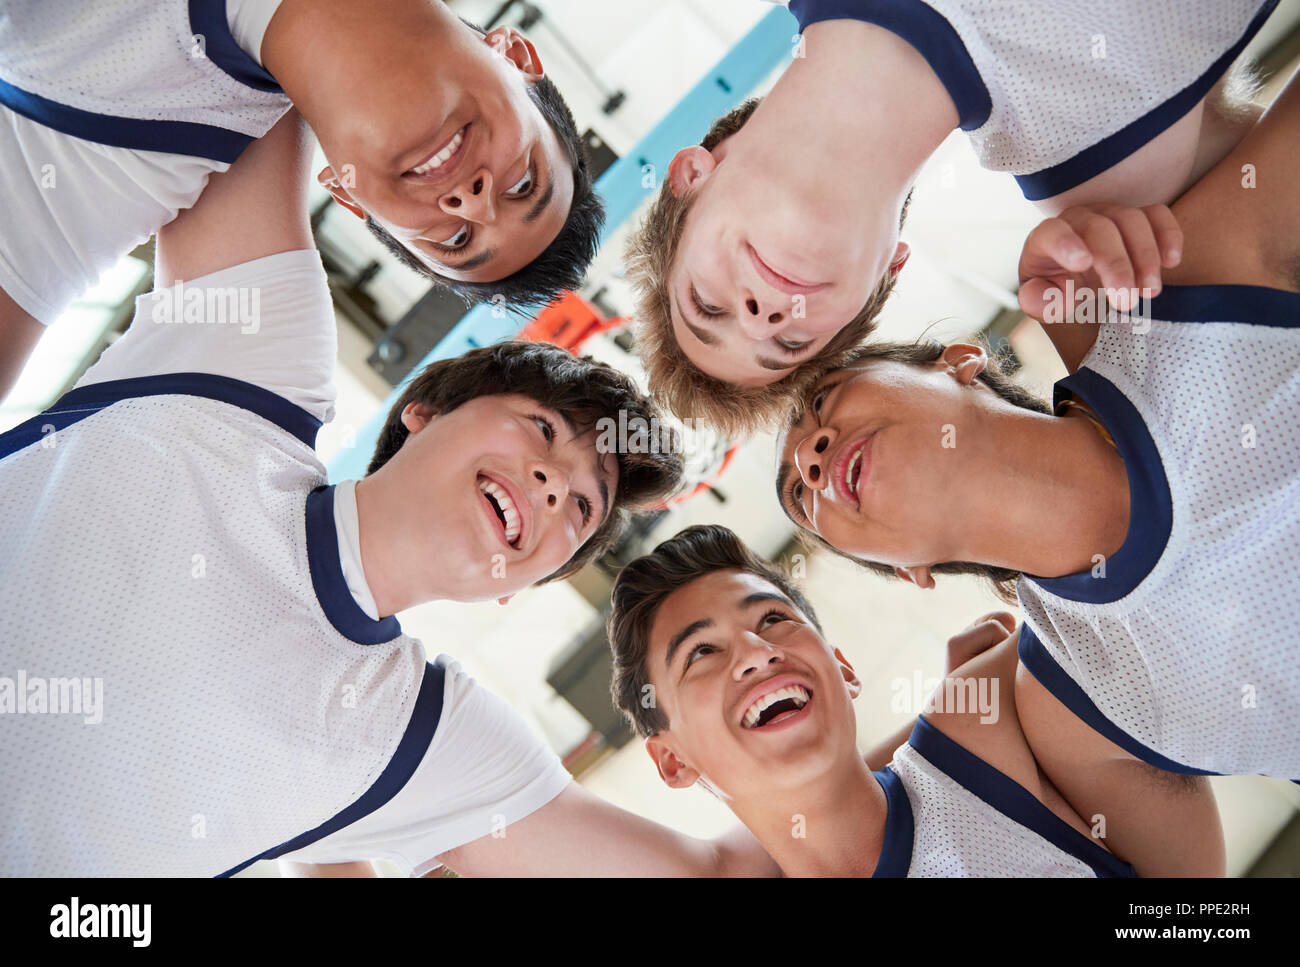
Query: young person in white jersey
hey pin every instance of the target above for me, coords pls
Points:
(1146, 527)
(458, 152)
(773, 245)
(169, 535)
(755, 704)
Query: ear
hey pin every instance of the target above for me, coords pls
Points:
(849, 675)
(416, 416)
(900, 258)
(920, 576)
(965, 361)
(516, 48)
(672, 770)
(690, 168)
(506, 599)
(331, 182)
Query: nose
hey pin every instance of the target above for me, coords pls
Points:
(812, 455)
(754, 653)
(553, 483)
(472, 199)
(762, 317)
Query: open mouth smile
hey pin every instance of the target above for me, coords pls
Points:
(851, 469)
(507, 509)
(777, 706)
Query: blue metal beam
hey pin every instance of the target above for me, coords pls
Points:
(757, 54)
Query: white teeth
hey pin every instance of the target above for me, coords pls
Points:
(439, 159)
(499, 494)
(800, 696)
(853, 465)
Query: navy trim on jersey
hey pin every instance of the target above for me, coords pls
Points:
(1011, 798)
(88, 400)
(208, 19)
(896, 848)
(174, 137)
(1151, 510)
(1252, 305)
(929, 32)
(1038, 661)
(420, 729)
(327, 578)
(1111, 150)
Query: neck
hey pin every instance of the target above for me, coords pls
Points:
(831, 828)
(1057, 494)
(858, 100)
(379, 532)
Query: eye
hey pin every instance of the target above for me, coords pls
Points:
(585, 506)
(771, 617)
(699, 651)
(547, 427)
(701, 308)
(457, 241)
(792, 349)
(524, 186)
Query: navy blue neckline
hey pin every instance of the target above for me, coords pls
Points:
(1254, 305)
(1010, 798)
(1151, 514)
(327, 578)
(209, 20)
(896, 846)
(925, 29)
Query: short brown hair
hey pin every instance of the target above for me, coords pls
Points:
(674, 380)
(921, 353)
(643, 585)
(583, 390)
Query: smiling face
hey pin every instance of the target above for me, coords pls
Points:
(457, 164)
(764, 278)
(874, 464)
(754, 697)
(502, 493)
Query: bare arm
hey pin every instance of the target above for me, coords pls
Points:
(19, 333)
(1241, 219)
(579, 834)
(296, 870)
(257, 208)
(1163, 824)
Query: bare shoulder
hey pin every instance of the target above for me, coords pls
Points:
(975, 706)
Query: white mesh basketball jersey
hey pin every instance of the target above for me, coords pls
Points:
(1057, 92)
(112, 118)
(952, 814)
(167, 548)
(1184, 646)
(188, 680)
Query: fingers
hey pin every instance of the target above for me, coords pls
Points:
(982, 635)
(1169, 236)
(1128, 246)
(1052, 247)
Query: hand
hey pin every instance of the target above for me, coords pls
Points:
(1098, 246)
(979, 636)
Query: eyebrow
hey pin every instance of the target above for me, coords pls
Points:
(748, 601)
(702, 335)
(682, 635)
(535, 212)
(487, 255)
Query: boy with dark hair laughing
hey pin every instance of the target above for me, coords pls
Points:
(721, 666)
